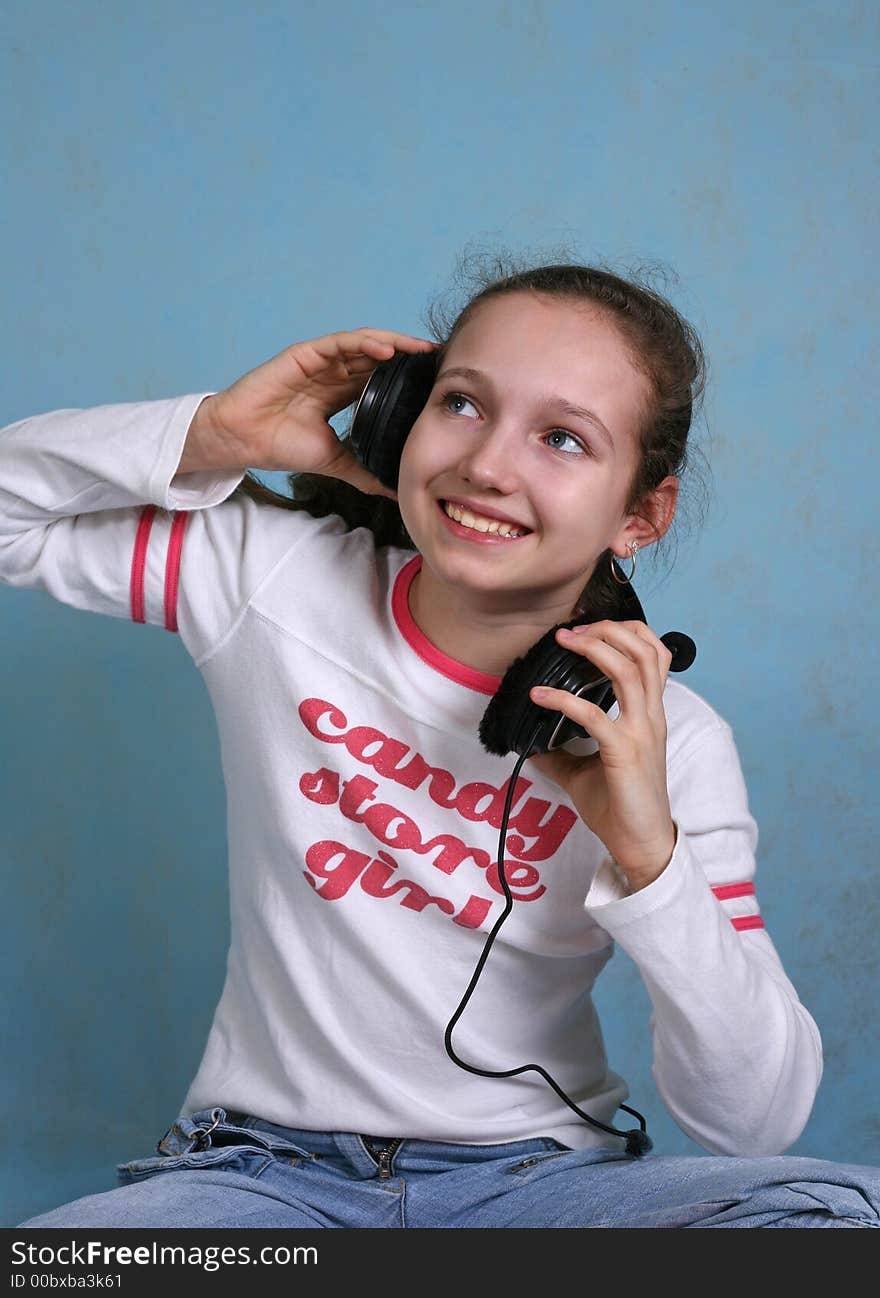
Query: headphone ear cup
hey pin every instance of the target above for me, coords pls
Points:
(389, 405)
(513, 723)
(510, 709)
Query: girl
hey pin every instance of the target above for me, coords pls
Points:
(349, 668)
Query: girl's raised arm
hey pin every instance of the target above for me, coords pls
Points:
(107, 509)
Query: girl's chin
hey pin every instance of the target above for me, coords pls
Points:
(479, 568)
(482, 571)
(473, 571)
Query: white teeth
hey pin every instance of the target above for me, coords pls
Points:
(478, 523)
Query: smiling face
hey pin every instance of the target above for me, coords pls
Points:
(532, 426)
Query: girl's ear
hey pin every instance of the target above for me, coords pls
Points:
(653, 517)
(667, 500)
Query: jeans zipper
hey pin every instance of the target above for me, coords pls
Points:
(383, 1157)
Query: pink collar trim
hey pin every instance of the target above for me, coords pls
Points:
(419, 642)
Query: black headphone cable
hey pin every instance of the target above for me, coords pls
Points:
(638, 1141)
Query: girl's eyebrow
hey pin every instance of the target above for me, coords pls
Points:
(477, 376)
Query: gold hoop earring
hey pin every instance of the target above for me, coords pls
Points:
(633, 549)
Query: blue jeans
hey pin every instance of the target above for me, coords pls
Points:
(219, 1169)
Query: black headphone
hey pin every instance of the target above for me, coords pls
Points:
(394, 397)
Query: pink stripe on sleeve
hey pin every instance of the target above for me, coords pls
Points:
(139, 562)
(729, 890)
(172, 568)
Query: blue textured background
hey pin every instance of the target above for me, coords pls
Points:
(189, 187)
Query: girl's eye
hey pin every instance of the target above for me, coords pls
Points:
(576, 446)
(453, 397)
(454, 401)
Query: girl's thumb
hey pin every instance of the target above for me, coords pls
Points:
(348, 467)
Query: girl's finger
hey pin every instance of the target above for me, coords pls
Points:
(664, 655)
(633, 664)
(361, 365)
(655, 670)
(625, 673)
(321, 358)
(358, 340)
(586, 714)
(348, 468)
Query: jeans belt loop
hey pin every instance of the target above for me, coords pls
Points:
(203, 1137)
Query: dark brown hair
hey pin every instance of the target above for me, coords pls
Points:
(662, 344)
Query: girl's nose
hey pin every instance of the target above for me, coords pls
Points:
(490, 462)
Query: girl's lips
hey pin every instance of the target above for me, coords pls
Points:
(471, 534)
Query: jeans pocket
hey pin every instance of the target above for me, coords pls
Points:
(247, 1160)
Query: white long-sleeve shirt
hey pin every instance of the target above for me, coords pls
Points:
(363, 825)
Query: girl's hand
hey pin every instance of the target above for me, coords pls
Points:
(620, 791)
(276, 416)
